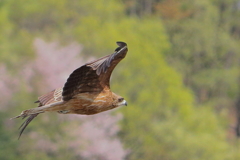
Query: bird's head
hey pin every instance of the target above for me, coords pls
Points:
(119, 101)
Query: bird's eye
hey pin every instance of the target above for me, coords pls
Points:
(120, 99)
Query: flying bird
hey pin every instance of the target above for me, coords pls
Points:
(87, 90)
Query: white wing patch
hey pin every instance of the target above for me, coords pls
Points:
(58, 94)
(98, 63)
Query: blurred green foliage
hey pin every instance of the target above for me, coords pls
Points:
(179, 59)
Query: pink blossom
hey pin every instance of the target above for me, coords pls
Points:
(7, 87)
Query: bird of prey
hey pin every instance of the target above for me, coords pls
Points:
(87, 90)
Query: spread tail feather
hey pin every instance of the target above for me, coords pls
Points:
(25, 123)
(32, 113)
(27, 113)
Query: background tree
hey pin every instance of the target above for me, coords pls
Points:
(174, 77)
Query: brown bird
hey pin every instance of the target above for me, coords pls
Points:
(87, 90)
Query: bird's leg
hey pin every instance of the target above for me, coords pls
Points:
(63, 112)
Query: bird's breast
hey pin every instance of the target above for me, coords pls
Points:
(86, 103)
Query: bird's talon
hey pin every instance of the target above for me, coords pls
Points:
(63, 112)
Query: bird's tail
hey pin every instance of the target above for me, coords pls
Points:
(31, 114)
(25, 123)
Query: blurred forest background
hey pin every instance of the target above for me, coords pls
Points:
(181, 78)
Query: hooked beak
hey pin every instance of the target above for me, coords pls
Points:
(125, 102)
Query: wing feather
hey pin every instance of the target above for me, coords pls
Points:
(51, 97)
(95, 75)
(95, 64)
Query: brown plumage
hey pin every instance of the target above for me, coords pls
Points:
(87, 90)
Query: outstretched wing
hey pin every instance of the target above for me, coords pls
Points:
(93, 76)
(51, 97)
